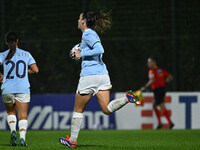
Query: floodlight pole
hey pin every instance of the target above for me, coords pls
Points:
(174, 46)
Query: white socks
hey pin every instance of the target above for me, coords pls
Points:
(117, 104)
(12, 121)
(77, 120)
(22, 125)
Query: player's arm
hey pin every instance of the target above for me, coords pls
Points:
(169, 78)
(96, 50)
(93, 43)
(33, 69)
(151, 80)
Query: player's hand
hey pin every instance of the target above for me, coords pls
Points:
(77, 54)
(70, 55)
(143, 88)
(167, 80)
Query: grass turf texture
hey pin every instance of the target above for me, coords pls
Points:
(110, 140)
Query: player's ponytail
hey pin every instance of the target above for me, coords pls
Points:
(11, 40)
(98, 21)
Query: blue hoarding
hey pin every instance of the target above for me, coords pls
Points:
(54, 112)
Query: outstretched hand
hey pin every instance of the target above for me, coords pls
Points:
(142, 88)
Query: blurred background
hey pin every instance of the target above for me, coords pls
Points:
(169, 30)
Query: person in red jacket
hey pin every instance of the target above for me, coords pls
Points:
(158, 77)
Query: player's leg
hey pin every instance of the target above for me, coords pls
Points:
(11, 118)
(162, 106)
(22, 103)
(159, 94)
(83, 96)
(166, 114)
(158, 115)
(103, 96)
(162, 93)
(108, 107)
(80, 103)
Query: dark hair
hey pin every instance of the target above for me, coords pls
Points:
(99, 21)
(11, 39)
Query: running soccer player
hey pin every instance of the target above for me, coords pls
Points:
(94, 78)
(15, 87)
(157, 79)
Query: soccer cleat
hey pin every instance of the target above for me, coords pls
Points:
(22, 142)
(13, 138)
(171, 125)
(67, 142)
(160, 125)
(139, 94)
(132, 98)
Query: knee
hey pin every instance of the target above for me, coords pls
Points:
(162, 106)
(22, 116)
(106, 112)
(11, 111)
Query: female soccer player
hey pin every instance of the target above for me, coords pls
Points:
(157, 79)
(15, 87)
(94, 78)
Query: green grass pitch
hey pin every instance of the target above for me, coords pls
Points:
(110, 140)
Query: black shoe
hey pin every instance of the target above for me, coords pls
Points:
(171, 125)
(13, 138)
(160, 125)
(22, 142)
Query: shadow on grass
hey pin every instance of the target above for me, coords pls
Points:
(5, 145)
(8, 145)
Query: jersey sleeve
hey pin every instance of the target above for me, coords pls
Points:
(98, 49)
(151, 74)
(31, 60)
(165, 73)
(90, 39)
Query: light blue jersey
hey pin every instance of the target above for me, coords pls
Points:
(92, 53)
(16, 72)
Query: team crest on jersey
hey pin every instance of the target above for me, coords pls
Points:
(159, 71)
